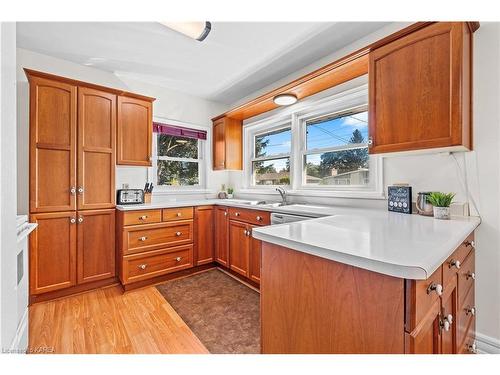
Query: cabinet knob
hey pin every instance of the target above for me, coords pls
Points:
(179, 214)
(259, 218)
(245, 232)
(178, 259)
(72, 190)
(225, 213)
(80, 219)
(472, 348)
(142, 266)
(72, 220)
(470, 275)
(370, 141)
(470, 310)
(249, 232)
(80, 190)
(455, 263)
(143, 238)
(470, 243)
(447, 322)
(143, 217)
(236, 214)
(438, 288)
(178, 233)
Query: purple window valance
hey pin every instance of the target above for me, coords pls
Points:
(158, 127)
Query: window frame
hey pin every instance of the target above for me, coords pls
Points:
(202, 145)
(343, 100)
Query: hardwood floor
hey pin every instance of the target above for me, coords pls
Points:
(107, 321)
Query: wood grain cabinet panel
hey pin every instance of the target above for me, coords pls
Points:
(96, 148)
(254, 257)
(53, 120)
(426, 338)
(204, 235)
(53, 252)
(135, 131)
(239, 248)
(227, 145)
(96, 245)
(222, 235)
(420, 90)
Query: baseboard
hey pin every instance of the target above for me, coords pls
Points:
(486, 344)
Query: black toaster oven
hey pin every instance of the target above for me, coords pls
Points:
(130, 196)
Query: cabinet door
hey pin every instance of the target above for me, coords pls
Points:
(96, 148)
(53, 252)
(449, 317)
(96, 245)
(255, 252)
(239, 244)
(420, 90)
(135, 130)
(426, 337)
(222, 236)
(204, 227)
(52, 145)
(219, 145)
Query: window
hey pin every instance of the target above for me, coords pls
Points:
(177, 156)
(336, 150)
(271, 161)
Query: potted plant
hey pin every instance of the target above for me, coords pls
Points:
(441, 203)
(230, 191)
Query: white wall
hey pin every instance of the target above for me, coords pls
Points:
(168, 104)
(440, 171)
(8, 241)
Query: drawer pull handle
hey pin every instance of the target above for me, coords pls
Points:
(236, 214)
(143, 217)
(142, 266)
(470, 243)
(178, 259)
(455, 263)
(447, 322)
(178, 233)
(470, 275)
(470, 310)
(143, 238)
(472, 348)
(179, 214)
(259, 218)
(438, 288)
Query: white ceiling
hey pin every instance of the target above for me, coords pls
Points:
(236, 59)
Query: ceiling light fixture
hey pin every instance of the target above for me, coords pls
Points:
(285, 99)
(195, 30)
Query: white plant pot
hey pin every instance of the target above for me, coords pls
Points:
(442, 213)
(230, 196)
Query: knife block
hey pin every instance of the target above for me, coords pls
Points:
(147, 197)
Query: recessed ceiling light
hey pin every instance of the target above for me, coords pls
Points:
(195, 30)
(285, 99)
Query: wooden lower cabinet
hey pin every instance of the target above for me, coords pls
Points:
(239, 247)
(254, 258)
(204, 235)
(222, 235)
(53, 252)
(96, 245)
(425, 338)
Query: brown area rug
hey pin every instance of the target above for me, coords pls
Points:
(221, 311)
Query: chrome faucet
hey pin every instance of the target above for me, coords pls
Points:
(283, 195)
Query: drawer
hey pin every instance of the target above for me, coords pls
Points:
(456, 260)
(465, 315)
(420, 297)
(466, 277)
(141, 238)
(141, 217)
(250, 216)
(155, 263)
(180, 213)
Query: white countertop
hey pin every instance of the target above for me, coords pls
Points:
(406, 246)
(400, 245)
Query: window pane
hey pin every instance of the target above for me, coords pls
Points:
(278, 142)
(348, 167)
(177, 173)
(272, 172)
(330, 132)
(178, 147)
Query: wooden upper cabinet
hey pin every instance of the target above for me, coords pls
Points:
(96, 148)
(96, 245)
(222, 235)
(53, 117)
(53, 252)
(420, 90)
(227, 144)
(204, 238)
(135, 131)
